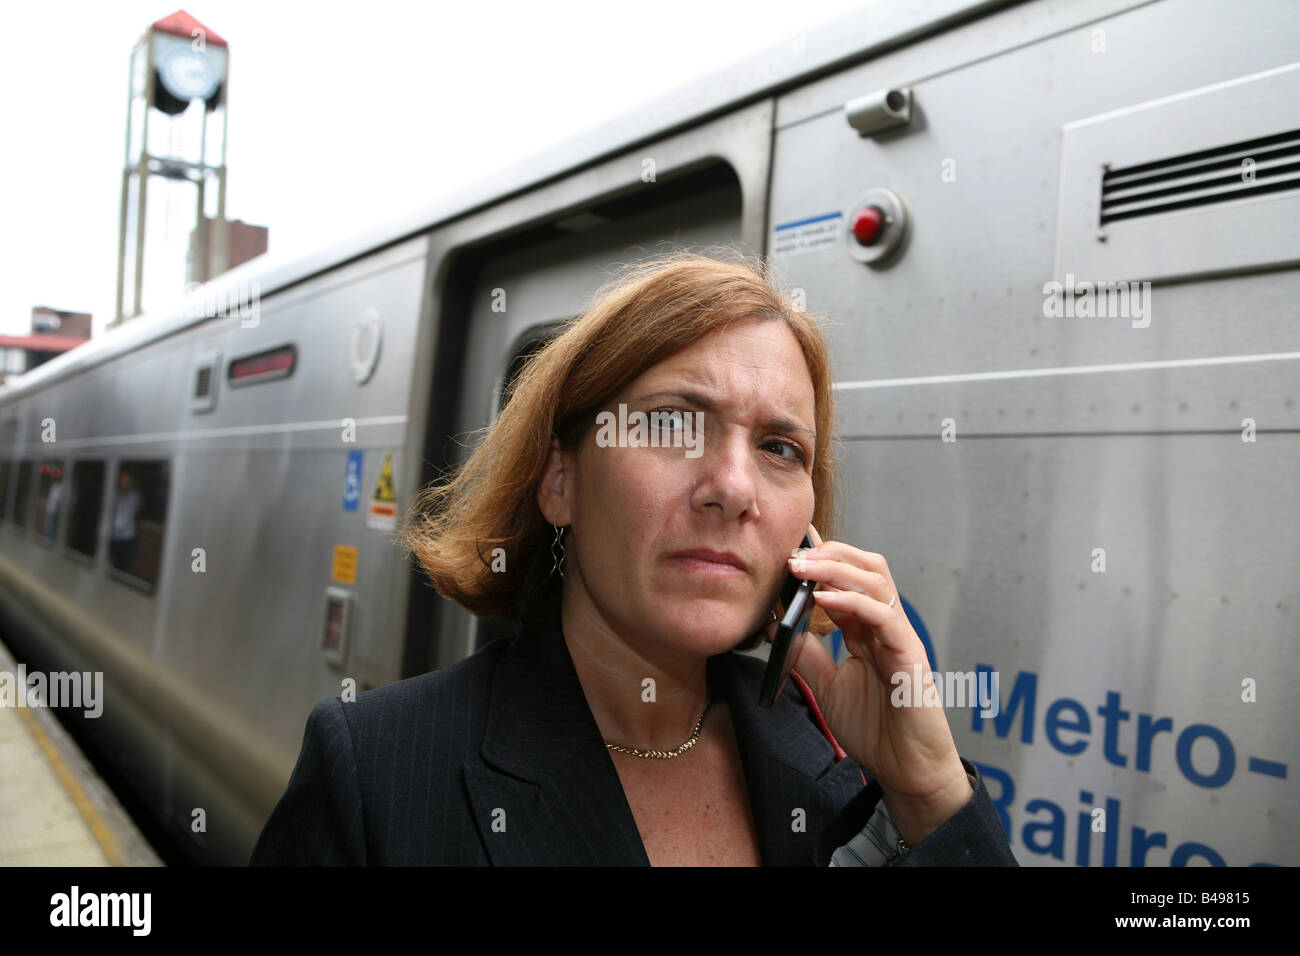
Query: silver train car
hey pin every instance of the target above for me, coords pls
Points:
(1058, 244)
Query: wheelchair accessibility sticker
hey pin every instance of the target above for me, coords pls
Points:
(352, 481)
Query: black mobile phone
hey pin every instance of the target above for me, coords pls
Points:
(796, 599)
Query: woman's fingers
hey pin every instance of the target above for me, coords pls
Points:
(868, 561)
(869, 611)
(839, 551)
(842, 577)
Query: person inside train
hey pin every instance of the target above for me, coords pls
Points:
(122, 540)
(620, 726)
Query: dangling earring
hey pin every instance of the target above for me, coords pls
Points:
(558, 558)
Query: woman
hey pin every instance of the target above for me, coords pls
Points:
(635, 507)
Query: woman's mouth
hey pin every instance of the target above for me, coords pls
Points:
(703, 561)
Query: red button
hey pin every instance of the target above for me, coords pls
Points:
(868, 224)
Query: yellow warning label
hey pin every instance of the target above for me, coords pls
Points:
(383, 503)
(384, 486)
(345, 564)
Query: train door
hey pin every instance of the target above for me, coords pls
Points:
(519, 297)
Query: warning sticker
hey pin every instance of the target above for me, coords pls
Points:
(807, 235)
(383, 503)
(345, 564)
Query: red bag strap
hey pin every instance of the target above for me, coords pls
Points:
(804, 689)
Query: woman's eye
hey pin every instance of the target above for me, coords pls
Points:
(796, 452)
(670, 418)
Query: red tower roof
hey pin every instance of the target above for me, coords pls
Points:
(181, 24)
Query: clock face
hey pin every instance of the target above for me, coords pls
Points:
(188, 74)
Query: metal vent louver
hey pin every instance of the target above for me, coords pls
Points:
(1203, 178)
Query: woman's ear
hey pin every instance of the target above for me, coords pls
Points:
(552, 493)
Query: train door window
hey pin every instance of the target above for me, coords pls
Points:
(139, 518)
(23, 498)
(85, 507)
(51, 489)
(489, 629)
(526, 346)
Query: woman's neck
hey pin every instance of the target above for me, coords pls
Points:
(616, 671)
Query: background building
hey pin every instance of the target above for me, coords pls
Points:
(53, 332)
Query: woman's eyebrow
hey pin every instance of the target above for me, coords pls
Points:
(700, 400)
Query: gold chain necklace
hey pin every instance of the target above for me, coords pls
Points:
(665, 754)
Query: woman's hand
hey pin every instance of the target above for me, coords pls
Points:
(909, 749)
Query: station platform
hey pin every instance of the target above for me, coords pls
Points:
(54, 808)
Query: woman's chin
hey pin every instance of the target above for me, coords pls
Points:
(709, 627)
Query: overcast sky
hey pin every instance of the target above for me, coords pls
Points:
(339, 115)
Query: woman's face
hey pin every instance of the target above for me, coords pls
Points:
(739, 487)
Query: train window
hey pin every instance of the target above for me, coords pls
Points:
(529, 344)
(23, 496)
(50, 492)
(85, 507)
(489, 629)
(139, 518)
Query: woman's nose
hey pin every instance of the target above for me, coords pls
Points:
(729, 477)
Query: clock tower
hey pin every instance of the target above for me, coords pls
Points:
(175, 160)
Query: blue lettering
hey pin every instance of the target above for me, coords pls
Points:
(1110, 839)
(1113, 715)
(1025, 689)
(1053, 723)
(1227, 756)
(1083, 852)
(1147, 729)
(1043, 832)
(1054, 828)
(1188, 850)
(1141, 841)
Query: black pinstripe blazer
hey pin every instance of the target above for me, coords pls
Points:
(498, 760)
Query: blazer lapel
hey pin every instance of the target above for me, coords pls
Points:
(796, 787)
(547, 793)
